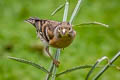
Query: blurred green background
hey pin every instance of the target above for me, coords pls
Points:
(18, 39)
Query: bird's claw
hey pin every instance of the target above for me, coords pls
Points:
(56, 62)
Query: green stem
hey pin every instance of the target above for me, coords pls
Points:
(95, 65)
(57, 9)
(30, 63)
(107, 66)
(75, 11)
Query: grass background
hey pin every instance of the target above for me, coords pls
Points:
(18, 38)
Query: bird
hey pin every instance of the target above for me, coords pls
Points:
(53, 34)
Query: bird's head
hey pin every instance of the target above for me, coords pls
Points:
(64, 29)
(32, 20)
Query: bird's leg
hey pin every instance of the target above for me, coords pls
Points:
(54, 60)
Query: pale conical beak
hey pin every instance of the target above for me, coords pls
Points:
(27, 21)
(63, 31)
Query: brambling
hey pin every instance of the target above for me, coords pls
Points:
(53, 33)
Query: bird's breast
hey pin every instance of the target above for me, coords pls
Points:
(61, 42)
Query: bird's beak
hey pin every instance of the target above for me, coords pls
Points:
(27, 21)
(63, 31)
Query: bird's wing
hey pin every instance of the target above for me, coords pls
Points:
(45, 29)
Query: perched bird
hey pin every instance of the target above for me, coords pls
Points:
(53, 33)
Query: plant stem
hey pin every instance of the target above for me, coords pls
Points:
(107, 66)
(54, 66)
(57, 9)
(66, 11)
(92, 23)
(95, 65)
(75, 11)
(73, 69)
(80, 67)
(51, 69)
(30, 63)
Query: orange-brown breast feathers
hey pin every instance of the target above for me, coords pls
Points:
(61, 42)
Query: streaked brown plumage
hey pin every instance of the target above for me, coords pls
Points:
(53, 33)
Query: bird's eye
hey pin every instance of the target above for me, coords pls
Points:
(69, 28)
(32, 20)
